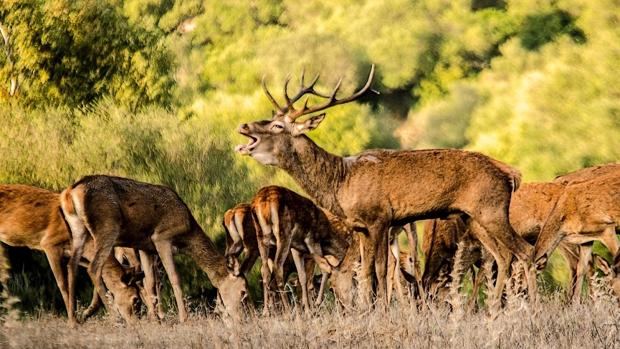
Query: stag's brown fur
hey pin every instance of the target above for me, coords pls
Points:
(123, 212)
(31, 217)
(377, 189)
(293, 223)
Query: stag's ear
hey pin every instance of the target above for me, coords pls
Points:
(308, 125)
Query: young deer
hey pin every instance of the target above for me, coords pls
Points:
(150, 289)
(241, 236)
(31, 217)
(123, 212)
(586, 211)
(241, 231)
(378, 189)
(293, 223)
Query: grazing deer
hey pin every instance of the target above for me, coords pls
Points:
(381, 188)
(241, 236)
(123, 212)
(150, 289)
(402, 265)
(586, 211)
(31, 217)
(293, 223)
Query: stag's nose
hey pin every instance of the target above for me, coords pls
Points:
(244, 127)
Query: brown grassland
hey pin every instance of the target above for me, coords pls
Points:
(552, 323)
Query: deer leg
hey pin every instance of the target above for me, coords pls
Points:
(150, 298)
(301, 275)
(156, 279)
(164, 249)
(104, 244)
(94, 305)
(248, 262)
(381, 264)
(500, 253)
(79, 239)
(283, 246)
(54, 257)
(610, 240)
(412, 238)
(585, 255)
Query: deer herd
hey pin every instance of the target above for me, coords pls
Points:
(348, 229)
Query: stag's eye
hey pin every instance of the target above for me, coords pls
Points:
(277, 127)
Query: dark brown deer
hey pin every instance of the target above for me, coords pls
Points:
(123, 212)
(31, 217)
(295, 224)
(381, 188)
(586, 211)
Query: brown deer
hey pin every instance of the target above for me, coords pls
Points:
(402, 266)
(31, 217)
(529, 209)
(241, 236)
(381, 188)
(123, 212)
(586, 211)
(295, 224)
(145, 263)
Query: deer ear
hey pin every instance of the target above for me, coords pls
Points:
(234, 266)
(308, 125)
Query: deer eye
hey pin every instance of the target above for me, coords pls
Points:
(278, 127)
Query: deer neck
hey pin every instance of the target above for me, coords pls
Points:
(198, 246)
(318, 172)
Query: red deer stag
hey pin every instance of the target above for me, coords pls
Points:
(293, 223)
(123, 212)
(381, 188)
(31, 217)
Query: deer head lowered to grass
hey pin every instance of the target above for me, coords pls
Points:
(377, 189)
(31, 217)
(295, 225)
(123, 212)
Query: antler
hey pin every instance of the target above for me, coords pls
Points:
(304, 90)
(332, 100)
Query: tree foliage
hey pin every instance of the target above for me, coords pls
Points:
(74, 52)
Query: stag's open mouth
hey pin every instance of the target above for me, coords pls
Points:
(246, 149)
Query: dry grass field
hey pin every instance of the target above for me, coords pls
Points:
(594, 323)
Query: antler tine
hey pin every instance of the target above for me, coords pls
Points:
(333, 101)
(288, 100)
(303, 90)
(269, 96)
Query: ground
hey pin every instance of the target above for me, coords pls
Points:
(520, 324)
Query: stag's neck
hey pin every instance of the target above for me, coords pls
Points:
(198, 246)
(318, 172)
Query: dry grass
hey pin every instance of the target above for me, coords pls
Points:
(552, 324)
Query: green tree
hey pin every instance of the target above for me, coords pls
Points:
(72, 52)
